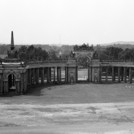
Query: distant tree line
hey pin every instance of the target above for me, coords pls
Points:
(32, 53)
(84, 46)
(114, 53)
(108, 53)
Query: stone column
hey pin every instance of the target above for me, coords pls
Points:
(1, 84)
(25, 81)
(58, 74)
(54, 74)
(18, 86)
(76, 74)
(5, 87)
(66, 74)
(113, 75)
(30, 76)
(106, 74)
(91, 74)
(37, 75)
(42, 75)
(118, 74)
(125, 79)
(34, 76)
(100, 71)
(33, 71)
(22, 83)
(122, 74)
(48, 75)
(6, 83)
(130, 75)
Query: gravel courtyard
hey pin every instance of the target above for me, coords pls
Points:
(70, 109)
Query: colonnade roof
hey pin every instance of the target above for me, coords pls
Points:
(51, 63)
(113, 63)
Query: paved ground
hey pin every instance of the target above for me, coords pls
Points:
(70, 109)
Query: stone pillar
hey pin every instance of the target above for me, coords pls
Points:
(130, 75)
(54, 74)
(89, 73)
(42, 75)
(25, 81)
(22, 83)
(1, 84)
(37, 75)
(118, 74)
(113, 75)
(125, 79)
(33, 71)
(72, 74)
(58, 74)
(122, 74)
(5, 87)
(34, 75)
(106, 74)
(66, 74)
(48, 75)
(100, 71)
(29, 76)
(76, 73)
(18, 86)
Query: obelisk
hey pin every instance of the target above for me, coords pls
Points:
(12, 41)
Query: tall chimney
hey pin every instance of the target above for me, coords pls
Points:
(12, 41)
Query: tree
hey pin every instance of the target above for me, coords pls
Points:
(84, 46)
(113, 52)
(32, 53)
(109, 53)
(127, 54)
(53, 54)
(22, 53)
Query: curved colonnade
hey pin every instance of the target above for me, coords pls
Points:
(19, 76)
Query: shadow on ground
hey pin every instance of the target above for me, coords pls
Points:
(36, 89)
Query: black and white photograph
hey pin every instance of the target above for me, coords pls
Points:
(66, 66)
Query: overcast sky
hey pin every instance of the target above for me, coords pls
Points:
(66, 21)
